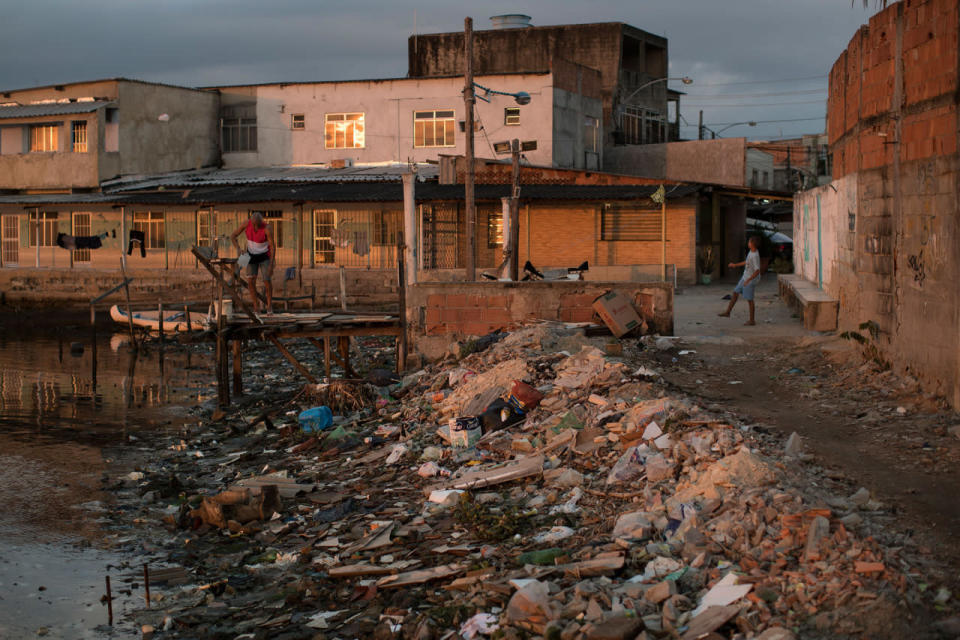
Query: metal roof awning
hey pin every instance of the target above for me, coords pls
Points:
(50, 109)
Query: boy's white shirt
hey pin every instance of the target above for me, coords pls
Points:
(751, 266)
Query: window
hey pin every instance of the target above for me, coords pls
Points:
(111, 132)
(766, 178)
(151, 224)
(204, 230)
(389, 229)
(344, 131)
(298, 122)
(642, 126)
(48, 229)
(494, 229)
(511, 115)
(433, 128)
(43, 137)
(591, 134)
(324, 222)
(82, 227)
(238, 134)
(274, 219)
(756, 178)
(635, 223)
(78, 131)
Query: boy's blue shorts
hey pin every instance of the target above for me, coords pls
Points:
(745, 290)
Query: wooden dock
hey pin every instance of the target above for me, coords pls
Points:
(329, 332)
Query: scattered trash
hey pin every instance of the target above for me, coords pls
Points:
(315, 419)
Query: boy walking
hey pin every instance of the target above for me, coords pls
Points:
(748, 281)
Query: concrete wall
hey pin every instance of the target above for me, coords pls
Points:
(760, 162)
(188, 140)
(886, 240)
(439, 313)
(711, 161)
(598, 46)
(388, 107)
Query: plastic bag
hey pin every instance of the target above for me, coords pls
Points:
(630, 465)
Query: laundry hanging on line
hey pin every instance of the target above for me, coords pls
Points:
(140, 238)
(72, 243)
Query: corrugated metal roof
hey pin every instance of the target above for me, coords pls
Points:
(373, 191)
(268, 175)
(50, 109)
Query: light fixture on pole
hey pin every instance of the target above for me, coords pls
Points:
(512, 237)
(749, 123)
(626, 101)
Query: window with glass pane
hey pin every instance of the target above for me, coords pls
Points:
(298, 121)
(78, 130)
(151, 224)
(344, 130)
(203, 229)
(44, 137)
(511, 115)
(389, 231)
(591, 134)
(238, 134)
(433, 128)
(47, 231)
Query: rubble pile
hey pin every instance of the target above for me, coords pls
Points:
(537, 488)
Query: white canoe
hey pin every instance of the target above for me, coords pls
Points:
(173, 321)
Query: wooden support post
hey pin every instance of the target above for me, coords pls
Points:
(468, 104)
(109, 604)
(126, 289)
(146, 583)
(343, 289)
(326, 355)
(292, 360)
(238, 367)
(93, 347)
(186, 314)
(223, 392)
(401, 350)
(160, 321)
(344, 342)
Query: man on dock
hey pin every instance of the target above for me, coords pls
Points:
(261, 249)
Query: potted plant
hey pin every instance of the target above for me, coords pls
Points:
(706, 261)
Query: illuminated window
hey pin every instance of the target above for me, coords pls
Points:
(433, 128)
(511, 115)
(43, 137)
(344, 131)
(494, 229)
(78, 130)
(298, 122)
(151, 224)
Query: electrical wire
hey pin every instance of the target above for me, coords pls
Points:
(734, 84)
(754, 95)
(757, 104)
(721, 124)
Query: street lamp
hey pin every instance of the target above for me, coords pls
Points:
(625, 101)
(522, 97)
(750, 123)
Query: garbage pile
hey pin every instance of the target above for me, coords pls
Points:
(536, 488)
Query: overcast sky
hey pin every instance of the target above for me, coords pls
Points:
(767, 59)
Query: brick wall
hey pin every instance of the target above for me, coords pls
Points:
(886, 234)
(438, 313)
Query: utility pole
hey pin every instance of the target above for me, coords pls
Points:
(700, 128)
(789, 176)
(515, 212)
(468, 102)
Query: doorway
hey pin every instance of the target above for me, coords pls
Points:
(81, 227)
(10, 234)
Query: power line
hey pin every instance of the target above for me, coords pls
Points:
(721, 124)
(756, 104)
(755, 95)
(733, 84)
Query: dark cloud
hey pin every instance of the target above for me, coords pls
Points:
(245, 41)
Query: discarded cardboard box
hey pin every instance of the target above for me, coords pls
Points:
(617, 313)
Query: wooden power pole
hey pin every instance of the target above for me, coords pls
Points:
(468, 102)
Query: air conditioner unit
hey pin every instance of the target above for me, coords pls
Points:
(341, 163)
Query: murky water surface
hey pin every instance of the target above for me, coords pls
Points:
(66, 408)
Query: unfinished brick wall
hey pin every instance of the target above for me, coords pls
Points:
(892, 251)
(440, 312)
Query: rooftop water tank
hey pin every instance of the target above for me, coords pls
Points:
(510, 21)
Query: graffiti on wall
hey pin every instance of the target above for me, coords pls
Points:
(918, 266)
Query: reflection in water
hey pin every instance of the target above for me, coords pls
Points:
(65, 414)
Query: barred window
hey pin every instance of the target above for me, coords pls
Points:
(433, 128)
(78, 129)
(389, 229)
(47, 228)
(44, 137)
(630, 222)
(151, 224)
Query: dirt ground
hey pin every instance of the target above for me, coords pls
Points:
(865, 426)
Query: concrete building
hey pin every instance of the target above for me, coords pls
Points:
(759, 169)
(412, 119)
(798, 163)
(883, 239)
(626, 57)
(75, 136)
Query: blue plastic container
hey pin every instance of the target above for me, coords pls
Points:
(315, 419)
